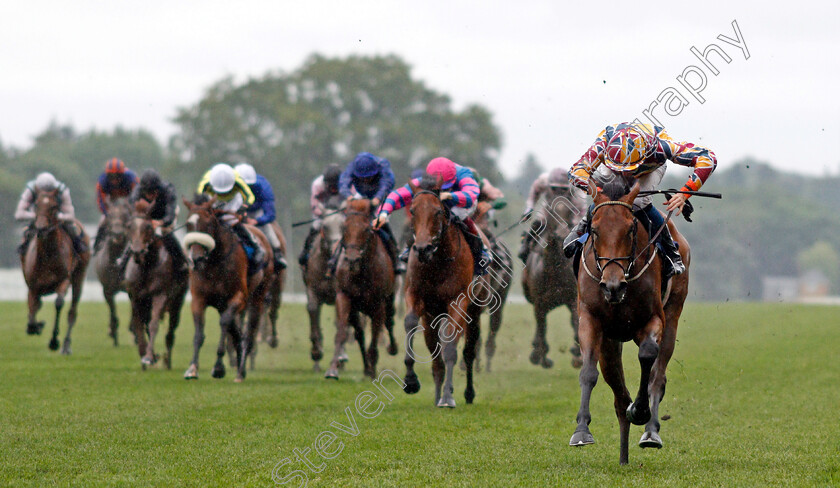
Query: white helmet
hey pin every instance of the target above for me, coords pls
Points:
(247, 172)
(46, 181)
(222, 178)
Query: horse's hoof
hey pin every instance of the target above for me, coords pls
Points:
(488, 368)
(218, 371)
(547, 363)
(167, 361)
(316, 368)
(146, 361)
(463, 365)
(191, 373)
(393, 349)
(343, 358)
(446, 403)
(469, 396)
(535, 357)
(142, 366)
(331, 374)
(238, 379)
(370, 373)
(34, 328)
(650, 439)
(273, 342)
(412, 384)
(638, 416)
(53, 345)
(580, 439)
(577, 362)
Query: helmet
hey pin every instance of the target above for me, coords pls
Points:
(247, 172)
(628, 147)
(558, 177)
(445, 169)
(365, 165)
(331, 175)
(115, 166)
(46, 181)
(150, 181)
(222, 178)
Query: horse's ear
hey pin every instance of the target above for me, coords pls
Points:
(599, 196)
(187, 203)
(211, 202)
(414, 188)
(634, 192)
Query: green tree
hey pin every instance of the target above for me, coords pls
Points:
(823, 257)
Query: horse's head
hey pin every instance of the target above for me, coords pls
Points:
(141, 232)
(117, 220)
(430, 218)
(46, 210)
(332, 226)
(202, 229)
(358, 233)
(613, 234)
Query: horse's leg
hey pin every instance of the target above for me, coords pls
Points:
(227, 323)
(495, 325)
(139, 311)
(158, 302)
(412, 383)
(249, 333)
(648, 339)
(174, 312)
(77, 281)
(32, 327)
(230, 345)
(377, 323)
(471, 349)
(114, 323)
(273, 312)
(390, 311)
(575, 349)
(540, 352)
(197, 307)
(590, 345)
(59, 304)
(613, 373)
(342, 316)
(656, 389)
(313, 306)
(359, 334)
(439, 368)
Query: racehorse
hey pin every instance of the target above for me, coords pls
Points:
(441, 291)
(621, 298)
(117, 222)
(364, 284)
(219, 278)
(153, 285)
(320, 285)
(50, 265)
(548, 280)
(500, 268)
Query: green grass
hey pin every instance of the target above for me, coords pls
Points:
(752, 396)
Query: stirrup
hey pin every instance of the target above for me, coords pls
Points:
(404, 255)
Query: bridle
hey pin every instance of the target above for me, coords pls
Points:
(369, 234)
(438, 238)
(632, 257)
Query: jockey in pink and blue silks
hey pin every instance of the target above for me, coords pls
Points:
(459, 192)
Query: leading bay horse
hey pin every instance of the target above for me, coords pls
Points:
(153, 285)
(548, 280)
(117, 223)
(219, 278)
(620, 298)
(50, 265)
(441, 292)
(365, 283)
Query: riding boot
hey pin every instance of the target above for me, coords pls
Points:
(671, 259)
(28, 233)
(76, 234)
(248, 240)
(173, 248)
(572, 242)
(404, 254)
(307, 244)
(481, 258)
(100, 237)
(279, 259)
(525, 248)
(392, 246)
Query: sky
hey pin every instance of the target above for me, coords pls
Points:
(552, 73)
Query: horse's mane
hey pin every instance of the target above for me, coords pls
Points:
(360, 206)
(200, 198)
(615, 188)
(430, 183)
(141, 207)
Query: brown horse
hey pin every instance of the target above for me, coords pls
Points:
(364, 284)
(441, 291)
(501, 269)
(219, 278)
(117, 223)
(548, 280)
(154, 287)
(620, 299)
(320, 285)
(50, 265)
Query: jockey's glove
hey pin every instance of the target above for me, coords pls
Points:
(380, 220)
(445, 195)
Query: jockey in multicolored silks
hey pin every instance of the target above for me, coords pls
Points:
(116, 181)
(233, 196)
(323, 189)
(460, 193)
(641, 150)
(262, 211)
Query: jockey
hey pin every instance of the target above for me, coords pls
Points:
(163, 210)
(66, 213)
(460, 194)
(115, 182)
(554, 182)
(488, 192)
(323, 188)
(368, 176)
(641, 150)
(262, 211)
(232, 195)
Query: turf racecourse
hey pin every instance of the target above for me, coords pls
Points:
(752, 398)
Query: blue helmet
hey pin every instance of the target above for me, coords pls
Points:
(365, 165)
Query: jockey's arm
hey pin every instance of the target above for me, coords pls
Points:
(316, 192)
(266, 204)
(66, 211)
(23, 212)
(700, 158)
(386, 180)
(582, 170)
(467, 194)
(171, 205)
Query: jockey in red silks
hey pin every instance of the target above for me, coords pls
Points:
(641, 151)
(459, 193)
(115, 182)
